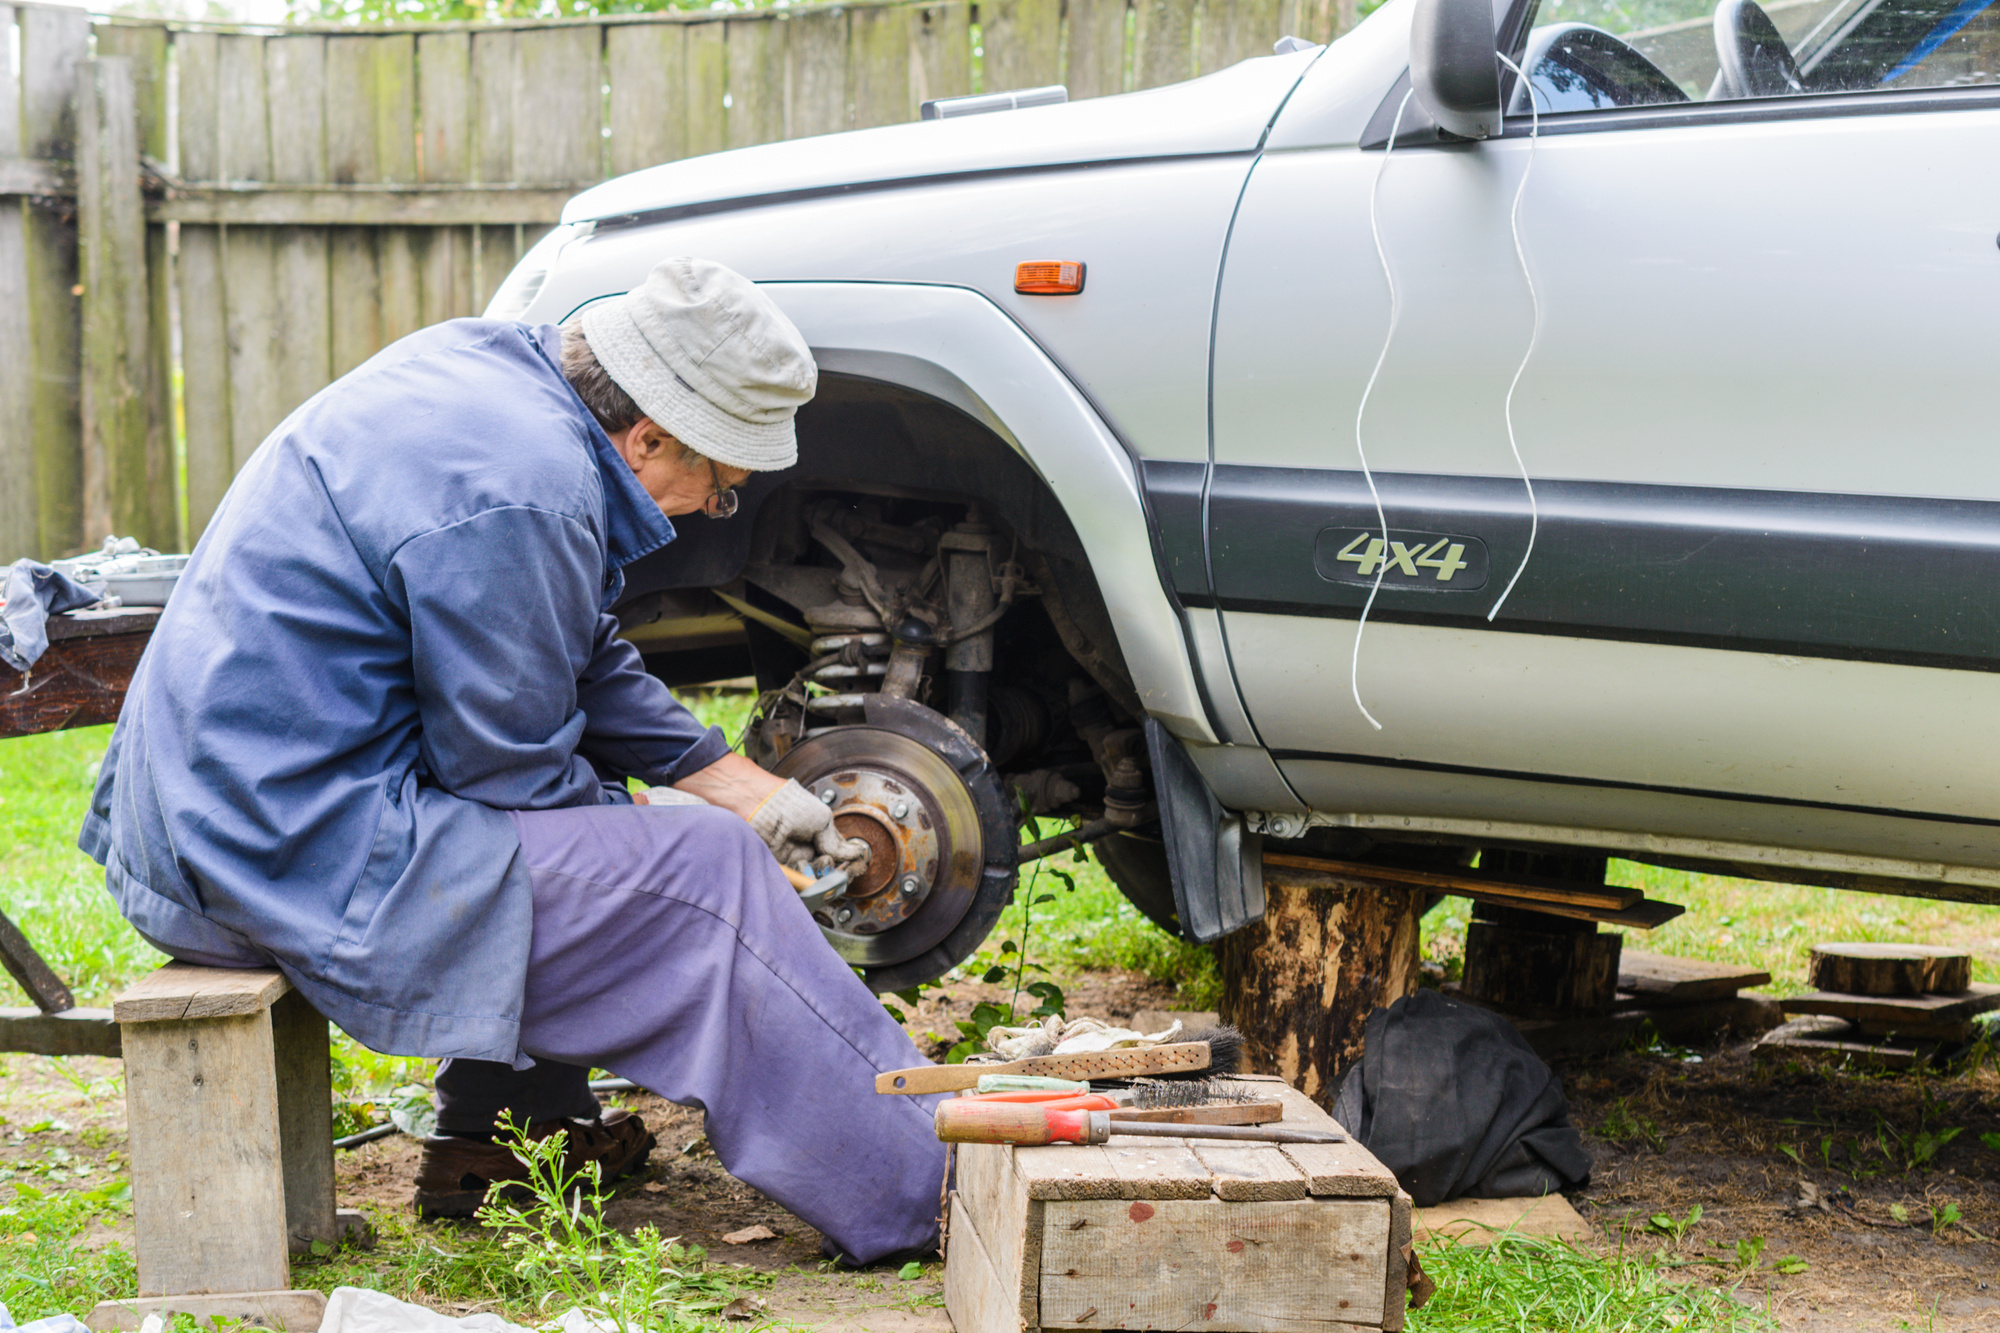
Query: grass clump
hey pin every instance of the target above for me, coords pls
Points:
(1528, 1284)
(48, 1263)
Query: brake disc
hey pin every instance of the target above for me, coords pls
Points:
(932, 810)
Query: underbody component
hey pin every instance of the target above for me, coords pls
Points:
(1218, 868)
(935, 817)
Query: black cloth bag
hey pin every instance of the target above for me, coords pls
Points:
(1454, 1101)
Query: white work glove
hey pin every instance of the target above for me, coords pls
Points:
(671, 796)
(797, 827)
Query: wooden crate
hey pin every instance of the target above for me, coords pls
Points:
(1178, 1234)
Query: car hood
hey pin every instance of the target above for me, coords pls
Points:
(1224, 112)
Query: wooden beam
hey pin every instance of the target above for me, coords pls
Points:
(36, 176)
(365, 205)
(1469, 885)
(183, 991)
(72, 1032)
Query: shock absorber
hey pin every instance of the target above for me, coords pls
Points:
(967, 554)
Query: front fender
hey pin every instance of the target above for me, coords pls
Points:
(954, 345)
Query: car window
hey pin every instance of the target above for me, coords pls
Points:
(1589, 55)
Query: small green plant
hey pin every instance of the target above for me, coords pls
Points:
(1013, 964)
(1991, 1140)
(1790, 1264)
(1749, 1254)
(1526, 1282)
(1949, 1215)
(1675, 1228)
(1621, 1125)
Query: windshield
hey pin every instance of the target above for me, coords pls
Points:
(1593, 54)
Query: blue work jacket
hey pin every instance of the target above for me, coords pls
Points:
(393, 632)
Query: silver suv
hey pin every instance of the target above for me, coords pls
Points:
(1645, 405)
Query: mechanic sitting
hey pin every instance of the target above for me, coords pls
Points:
(381, 735)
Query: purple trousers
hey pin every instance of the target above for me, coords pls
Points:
(669, 950)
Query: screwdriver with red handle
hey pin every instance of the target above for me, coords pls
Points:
(1025, 1124)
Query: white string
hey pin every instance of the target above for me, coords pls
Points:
(1395, 313)
(1534, 298)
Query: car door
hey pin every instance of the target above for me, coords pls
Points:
(1757, 427)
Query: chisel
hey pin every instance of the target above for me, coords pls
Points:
(970, 1120)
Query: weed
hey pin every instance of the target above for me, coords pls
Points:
(1621, 1125)
(1944, 1217)
(1749, 1255)
(1991, 1140)
(1013, 964)
(1675, 1228)
(1527, 1282)
(1790, 1264)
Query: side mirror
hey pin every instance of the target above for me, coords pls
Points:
(1453, 66)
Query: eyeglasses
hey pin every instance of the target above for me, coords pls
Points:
(722, 502)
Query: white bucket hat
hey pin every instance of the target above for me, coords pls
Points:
(711, 358)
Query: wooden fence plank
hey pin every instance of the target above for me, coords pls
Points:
(444, 103)
(558, 115)
(353, 154)
(296, 74)
(145, 45)
(53, 44)
(1097, 48)
(646, 66)
(879, 65)
(756, 81)
(816, 73)
(492, 149)
(198, 279)
(1163, 47)
(127, 462)
(1023, 44)
(20, 528)
(1236, 30)
(252, 314)
(941, 52)
(707, 70)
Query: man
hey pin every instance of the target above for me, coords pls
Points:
(381, 736)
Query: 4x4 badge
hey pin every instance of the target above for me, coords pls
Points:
(1419, 561)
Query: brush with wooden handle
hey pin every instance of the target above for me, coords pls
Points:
(1180, 1057)
(974, 1120)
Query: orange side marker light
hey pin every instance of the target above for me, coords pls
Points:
(1049, 277)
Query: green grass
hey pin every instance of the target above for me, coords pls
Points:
(1523, 1284)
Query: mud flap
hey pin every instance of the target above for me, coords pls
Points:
(1216, 863)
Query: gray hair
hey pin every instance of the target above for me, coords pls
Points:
(611, 405)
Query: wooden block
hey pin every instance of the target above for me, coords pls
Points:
(1332, 1170)
(1891, 1009)
(1656, 977)
(1478, 1221)
(208, 1181)
(974, 1295)
(183, 991)
(1244, 1172)
(1890, 969)
(997, 1203)
(303, 1060)
(293, 1311)
(1274, 1267)
(1539, 973)
(72, 1032)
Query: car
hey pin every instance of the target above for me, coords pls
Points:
(1373, 451)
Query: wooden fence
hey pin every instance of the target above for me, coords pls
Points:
(200, 226)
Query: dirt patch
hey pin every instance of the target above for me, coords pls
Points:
(1818, 1163)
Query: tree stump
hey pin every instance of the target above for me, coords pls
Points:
(1540, 966)
(1301, 983)
(1890, 969)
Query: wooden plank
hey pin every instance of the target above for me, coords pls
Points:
(1656, 976)
(940, 52)
(558, 117)
(1157, 1169)
(1248, 1172)
(880, 90)
(444, 116)
(24, 175)
(975, 1297)
(703, 109)
(816, 73)
(248, 255)
(1000, 1208)
(1096, 48)
(646, 66)
(20, 526)
(294, 1310)
(10, 91)
(208, 1195)
(1023, 44)
(1277, 1267)
(300, 322)
(1396, 1265)
(177, 991)
(1067, 1171)
(128, 470)
(353, 156)
(198, 276)
(31, 971)
(53, 45)
(1332, 1170)
(303, 1060)
(72, 1032)
(1163, 45)
(1235, 30)
(1890, 969)
(399, 250)
(1892, 1009)
(756, 81)
(492, 157)
(1468, 884)
(382, 206)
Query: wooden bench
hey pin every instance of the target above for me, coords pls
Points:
(228, 1103)
(1178, 1233)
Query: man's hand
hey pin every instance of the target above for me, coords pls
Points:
(793, 824)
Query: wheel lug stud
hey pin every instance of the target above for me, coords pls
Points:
(910, 886)
(900, 810)
(829, 796)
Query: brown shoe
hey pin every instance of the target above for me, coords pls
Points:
(455, 1174)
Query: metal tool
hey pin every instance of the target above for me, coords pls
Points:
(1176, 1058)
(974, 1120)
(820, 893)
